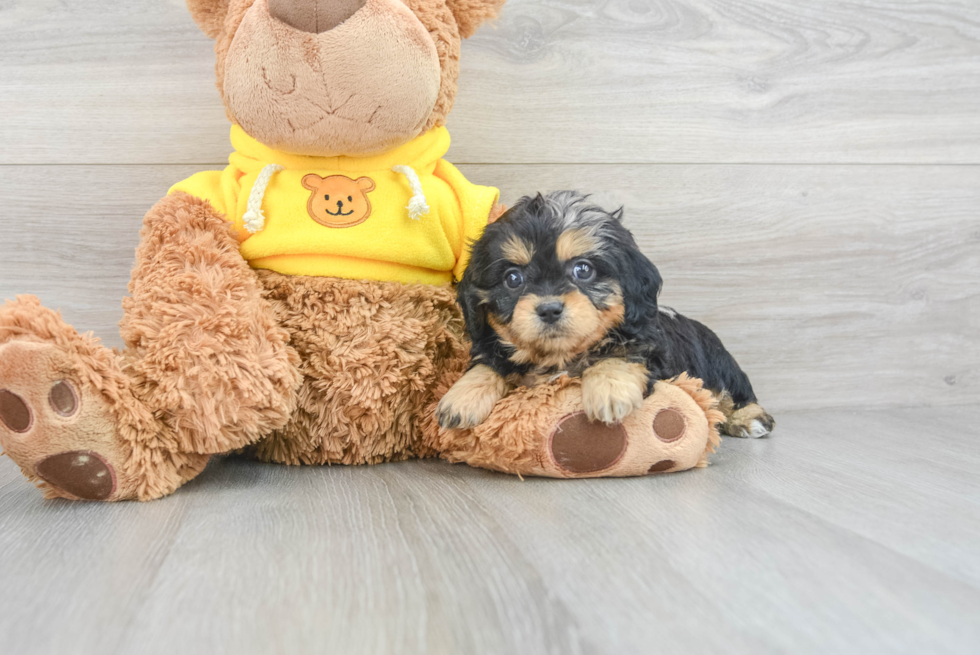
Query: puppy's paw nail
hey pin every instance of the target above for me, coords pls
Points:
(602, 414)
(453, 420)
(446, 417)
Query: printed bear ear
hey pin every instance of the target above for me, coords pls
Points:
(209, 15)
(312, 181)
(470, 14)
(365, 184)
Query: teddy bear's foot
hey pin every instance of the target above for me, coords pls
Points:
(69, 417)
(57, 427)
(671, 431)
(544, 430)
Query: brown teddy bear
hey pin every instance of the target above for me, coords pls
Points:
(297, 306)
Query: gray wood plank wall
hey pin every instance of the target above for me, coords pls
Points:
(807, 175)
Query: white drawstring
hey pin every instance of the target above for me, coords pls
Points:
(254, 219)
(417, 206)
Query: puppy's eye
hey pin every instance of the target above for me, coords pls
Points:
(513, 278)
(583, 271)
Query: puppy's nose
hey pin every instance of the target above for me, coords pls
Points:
(550, 311)
(314, 16)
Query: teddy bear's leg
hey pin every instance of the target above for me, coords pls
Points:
(374, 357)
(69, 418)
(544, 431)
(207, 370)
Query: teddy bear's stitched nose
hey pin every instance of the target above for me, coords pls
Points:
(315, 16)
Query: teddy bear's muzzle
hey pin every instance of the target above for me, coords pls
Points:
(314, 16)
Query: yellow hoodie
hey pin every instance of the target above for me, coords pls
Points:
(349, 217)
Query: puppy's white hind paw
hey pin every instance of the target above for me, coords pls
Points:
(749, 422)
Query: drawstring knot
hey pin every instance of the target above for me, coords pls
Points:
(417, 205)
(253, 218)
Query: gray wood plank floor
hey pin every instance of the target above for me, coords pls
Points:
(848, 532)
(806, 175)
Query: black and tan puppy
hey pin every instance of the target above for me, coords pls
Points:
(558, 286)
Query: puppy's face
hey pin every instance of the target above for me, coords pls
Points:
(547, 279)
(553, 299)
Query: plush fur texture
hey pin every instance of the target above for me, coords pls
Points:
(205, 349)
(558, 285)
(209, 15)
(373, 357)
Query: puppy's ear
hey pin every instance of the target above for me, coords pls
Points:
(209, 15)
(474, 313)
(470, 14)
(641, 283)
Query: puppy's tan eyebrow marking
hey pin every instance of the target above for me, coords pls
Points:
(575, 243)
(517, 251)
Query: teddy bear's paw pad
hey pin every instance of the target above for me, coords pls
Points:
(63, 398)
(52, 426)
(82, 473)
(580, 446)
(14, 412)
(663, 466)
(669, 425)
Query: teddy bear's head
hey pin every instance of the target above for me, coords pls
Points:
(338, 77)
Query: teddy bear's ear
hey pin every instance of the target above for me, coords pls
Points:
(470, 14)
(209, 15)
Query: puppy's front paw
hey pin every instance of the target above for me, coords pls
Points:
(469, 402)
(462, 414)
(612, 389)
(610, 400)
